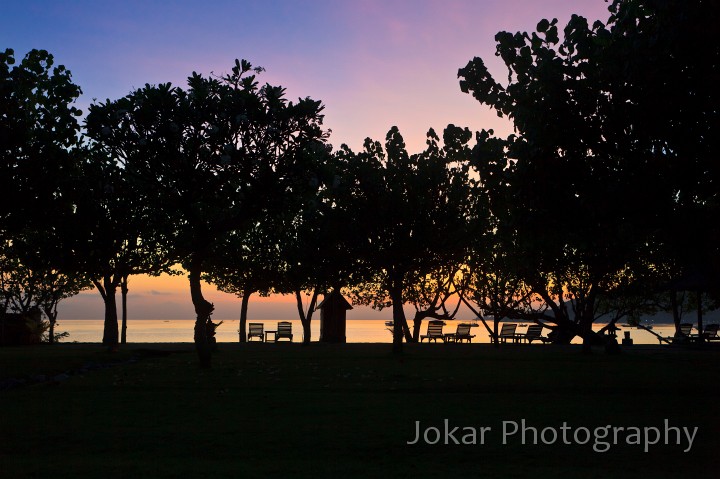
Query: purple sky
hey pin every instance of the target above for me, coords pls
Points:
(373, 63)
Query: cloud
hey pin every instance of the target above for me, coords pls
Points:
(155, 292)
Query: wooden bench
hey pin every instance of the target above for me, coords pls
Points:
(534, 333)
(255, 330)
(284, 330)
(508, 332)
(434, 331)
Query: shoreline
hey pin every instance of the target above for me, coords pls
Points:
(360, 345)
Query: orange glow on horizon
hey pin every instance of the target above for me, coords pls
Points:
(178, 285)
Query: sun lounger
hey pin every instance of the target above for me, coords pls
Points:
(508, 332)
(434, 332)
(255, 330)
(534, 333)
(685, 329)
(284, 330)
(684, 336)
(461, 334)
(710, 333)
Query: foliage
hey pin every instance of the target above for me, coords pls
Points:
(490, 283)
(39, 140)
(118, 230)
(38, 129)
(215, 158)
(33, 282)
(413, 210)
(593, 138)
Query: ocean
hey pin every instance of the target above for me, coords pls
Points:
(357, 331)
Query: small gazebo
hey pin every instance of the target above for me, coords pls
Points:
(333, 311)
(699, 281)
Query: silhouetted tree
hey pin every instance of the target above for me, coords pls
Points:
(670, 71)
(215, 156)
(39, 151)
(434, 296)
(119, 232)
(36, 275)
(38, 131)
(490, 284)
(593, 165)
(414, 209)
(321, 245)
(244, 263)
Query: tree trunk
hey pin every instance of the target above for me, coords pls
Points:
(399, 322)
(675, 312)
(306, 317)
(307, 332)
(51, 332)
(699, 317)
(242, 331)
(110, 330)
(564, 330)
(52, 318)
(203, 310)
(406, 330)
(417, 326)
(496, 334)
(479, 316)
(586, 332)
(123, 292)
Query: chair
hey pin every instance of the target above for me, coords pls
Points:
(685, 329)
(684, 335)
(710, 333)
(255, 330)
(284, 330)
(463, 332)
(534, 333)
(508, 332)
(434, 331)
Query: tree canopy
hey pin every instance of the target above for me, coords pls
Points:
(602, 118)
(602, 203)
(215, 157)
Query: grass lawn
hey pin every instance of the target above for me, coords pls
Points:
(284, 410)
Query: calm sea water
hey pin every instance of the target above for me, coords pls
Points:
(358, 331)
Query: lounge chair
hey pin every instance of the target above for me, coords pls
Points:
(710, 333)
(434, 332)
(255, 330)
(508, 332)
(284, 330)
(534, 333)
(684, 336)
(462, 333)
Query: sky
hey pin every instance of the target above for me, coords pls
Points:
(373, 63)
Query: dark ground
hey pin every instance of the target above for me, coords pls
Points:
(285, 410)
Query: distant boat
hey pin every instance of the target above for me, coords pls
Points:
(389, 323)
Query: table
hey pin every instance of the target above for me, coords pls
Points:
(274, 336)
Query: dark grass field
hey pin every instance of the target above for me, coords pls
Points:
(285, 410)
